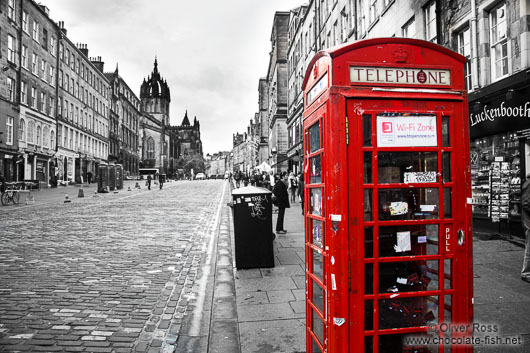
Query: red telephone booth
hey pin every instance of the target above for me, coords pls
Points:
(388, 214)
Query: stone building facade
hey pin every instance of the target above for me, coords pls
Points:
(124, 125)
(82, 114)
(57, 121)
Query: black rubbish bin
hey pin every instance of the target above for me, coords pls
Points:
(253, 227)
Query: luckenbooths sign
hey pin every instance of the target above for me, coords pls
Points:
(501, 114)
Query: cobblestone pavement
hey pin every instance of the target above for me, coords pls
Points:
(106, 274)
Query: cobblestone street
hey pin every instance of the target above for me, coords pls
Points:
(105, 274)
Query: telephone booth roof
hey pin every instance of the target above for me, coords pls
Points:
(383, 52)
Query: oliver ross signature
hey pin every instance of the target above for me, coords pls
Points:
(500, 112)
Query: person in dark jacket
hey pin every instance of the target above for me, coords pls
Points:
(525, 213)
(149, 182)
(301, 190)
(160, 180)
(282, 201)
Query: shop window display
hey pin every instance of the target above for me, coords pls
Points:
(495, 177)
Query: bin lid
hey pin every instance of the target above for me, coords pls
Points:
(250, 190)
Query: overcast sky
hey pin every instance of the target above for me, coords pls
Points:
(211, 52)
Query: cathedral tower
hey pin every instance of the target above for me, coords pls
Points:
(155, 96)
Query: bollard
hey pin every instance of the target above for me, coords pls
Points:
(137, 186)
(95, 194)
(81, 193)
(115, 190)
(67, 198)
(129, 189)
(30, 200)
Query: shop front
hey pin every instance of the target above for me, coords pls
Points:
(7, 167)
(499, 121)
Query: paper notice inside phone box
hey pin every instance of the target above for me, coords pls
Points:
(399, 208)
(403, 242)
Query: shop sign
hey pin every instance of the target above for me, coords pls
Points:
(504, 113)
(406, 131)
(400, 75)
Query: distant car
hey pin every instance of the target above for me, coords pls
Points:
(200, 176)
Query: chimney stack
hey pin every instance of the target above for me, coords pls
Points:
(61, 27)
(98, 63)
(83, 48)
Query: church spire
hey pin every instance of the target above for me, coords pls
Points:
(185, 121)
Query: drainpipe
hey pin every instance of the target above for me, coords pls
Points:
(474, 46)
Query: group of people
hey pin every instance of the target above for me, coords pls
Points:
(161, 180)
(286, 189)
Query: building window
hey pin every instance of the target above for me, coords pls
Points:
(45, 136)
(11, 48)
(35, 31)
(42, 103)
(33, 97)
(499, 41)
(464, 48)
(409, 29)
(61, 51)
(150, 148)
(9, 132)
(343, 25)
(430, 22)
(52, 139)
(11, 10)
(53, 43)
(34, 67)
(31, 131)
(51, 103)
(25, 21)
(23, 88)
(51, 70)
(11, 89)
(39, 135)
(373, 11)
(43, 69)
(45, 39)
(21, 130)
(25, 57)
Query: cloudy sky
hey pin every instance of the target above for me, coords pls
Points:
(211, 52)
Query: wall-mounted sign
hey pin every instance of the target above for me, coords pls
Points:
(400, 75)
(406, 131)
(509, 111)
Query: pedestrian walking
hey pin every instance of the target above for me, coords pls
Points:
(301, 190)
(160, 180)
(525, 200)
(89, 177)
(237, 178)
(148, 183)
(281, 200)
(292, 186)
